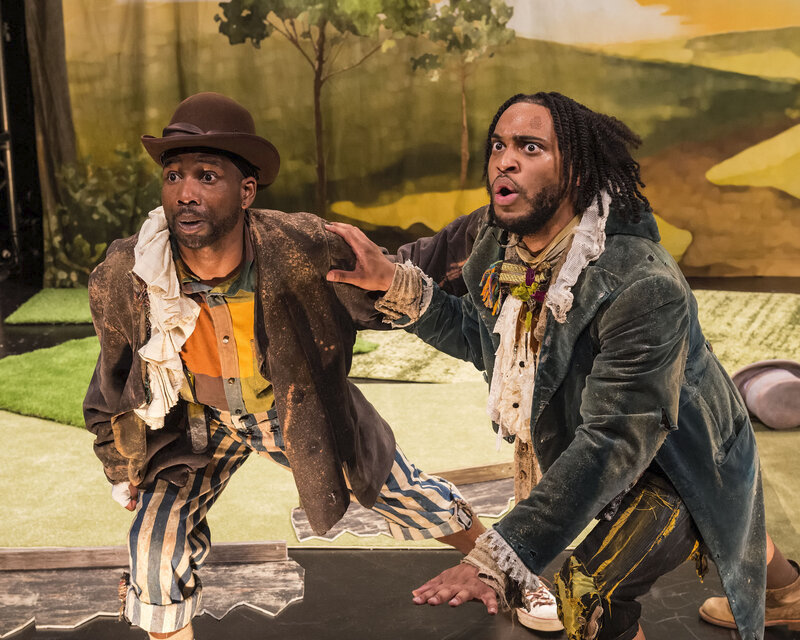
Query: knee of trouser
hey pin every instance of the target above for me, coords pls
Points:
(580, 607)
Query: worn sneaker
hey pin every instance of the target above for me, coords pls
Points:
(540, 611)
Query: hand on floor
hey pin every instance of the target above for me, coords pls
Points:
(456, 586)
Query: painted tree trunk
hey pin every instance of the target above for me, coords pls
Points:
(322, 185)
(462, 182)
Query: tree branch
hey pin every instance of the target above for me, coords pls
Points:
(352, 66)
(293, 38)
(338, 50)
(297, 36)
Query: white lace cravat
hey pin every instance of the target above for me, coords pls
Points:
(172, 317)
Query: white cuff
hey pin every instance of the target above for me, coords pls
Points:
(121, 493)
(408, 296)
(508, 560)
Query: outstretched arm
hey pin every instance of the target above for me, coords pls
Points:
(444, 321)
(373, 270)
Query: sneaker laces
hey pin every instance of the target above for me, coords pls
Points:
(540, 597)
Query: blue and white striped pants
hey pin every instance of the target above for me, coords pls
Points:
(169, 538)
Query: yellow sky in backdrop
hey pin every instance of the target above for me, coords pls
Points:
(703, 17)
(606, 22)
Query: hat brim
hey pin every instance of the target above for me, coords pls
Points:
(746, 373)
(256, 150)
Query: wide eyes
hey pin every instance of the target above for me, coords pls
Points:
(207, 177)
(528, 147)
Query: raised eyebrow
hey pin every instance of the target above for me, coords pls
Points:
(520, 139)
(527, 139)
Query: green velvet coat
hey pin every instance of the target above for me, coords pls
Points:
(628, 378)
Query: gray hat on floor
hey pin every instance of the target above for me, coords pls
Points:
(771, 391)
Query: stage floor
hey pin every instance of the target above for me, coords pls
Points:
(365, 595)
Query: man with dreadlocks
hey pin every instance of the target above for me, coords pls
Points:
(589, 337)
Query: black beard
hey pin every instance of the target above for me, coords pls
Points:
(218, 229)
(541, 209)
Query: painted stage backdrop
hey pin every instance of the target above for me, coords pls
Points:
(379, 109)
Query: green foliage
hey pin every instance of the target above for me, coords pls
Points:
(319, 32)
(300, 20)
(465, 28)
(97, 205)
(243, 20)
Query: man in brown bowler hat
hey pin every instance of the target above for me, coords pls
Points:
(220, 335)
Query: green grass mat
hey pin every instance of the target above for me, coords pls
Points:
(55, 494)
(49, 383)
(742, 327)
(54, 306)
(362, 345)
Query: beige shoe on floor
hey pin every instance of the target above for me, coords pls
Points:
(782, 608)
(717, 611)
(540, 611)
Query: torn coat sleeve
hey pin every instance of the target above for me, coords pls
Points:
(628, 405)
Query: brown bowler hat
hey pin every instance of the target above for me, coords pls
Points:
(217, 122)
(771, 391)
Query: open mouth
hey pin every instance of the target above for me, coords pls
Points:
(189, 224)
(504, 191)
(189, 221)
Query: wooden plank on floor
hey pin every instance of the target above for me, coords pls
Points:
(67, 598)
(39, 558)
(483, 473)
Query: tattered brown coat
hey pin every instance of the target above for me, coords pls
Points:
(304, 330)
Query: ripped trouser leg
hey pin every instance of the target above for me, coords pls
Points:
(651, 534)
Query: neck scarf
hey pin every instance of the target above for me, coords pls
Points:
(511, 392)
(172, 317)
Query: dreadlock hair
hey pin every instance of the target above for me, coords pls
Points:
(595, 154)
